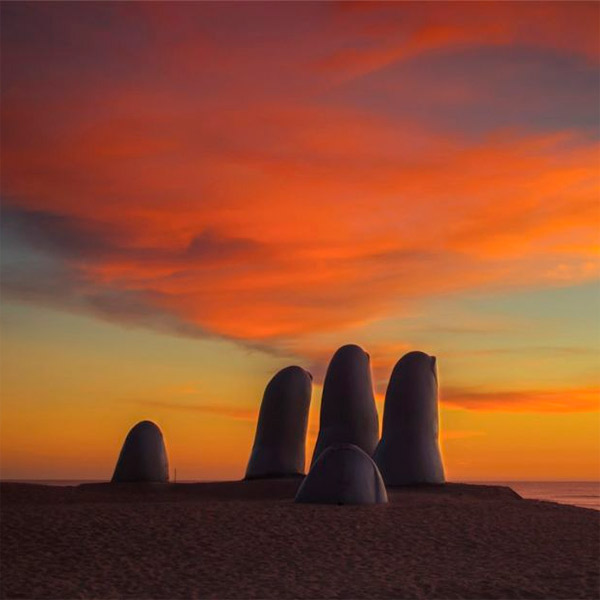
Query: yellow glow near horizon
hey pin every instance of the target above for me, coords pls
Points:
(68, 403)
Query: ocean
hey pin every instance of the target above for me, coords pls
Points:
(578, 493)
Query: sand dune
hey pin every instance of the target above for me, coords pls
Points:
(249, 540)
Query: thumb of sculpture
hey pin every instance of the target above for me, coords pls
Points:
(343, 474)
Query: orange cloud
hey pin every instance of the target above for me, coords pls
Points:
(256, 211)
(287, 258)
(393, 32)
(562, 400)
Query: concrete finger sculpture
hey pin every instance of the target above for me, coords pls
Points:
(409, 450)
(279, 444)
(348, 411)
(143, 456)
(343, 474)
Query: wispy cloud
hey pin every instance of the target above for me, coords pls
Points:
(390, 33)
(459, 434)
(562, 400)
(228, 412)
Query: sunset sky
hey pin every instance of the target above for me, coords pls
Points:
(195, 195)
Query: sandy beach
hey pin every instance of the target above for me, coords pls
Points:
(249, 540)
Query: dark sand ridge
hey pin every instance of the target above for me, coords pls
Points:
(249, 540)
